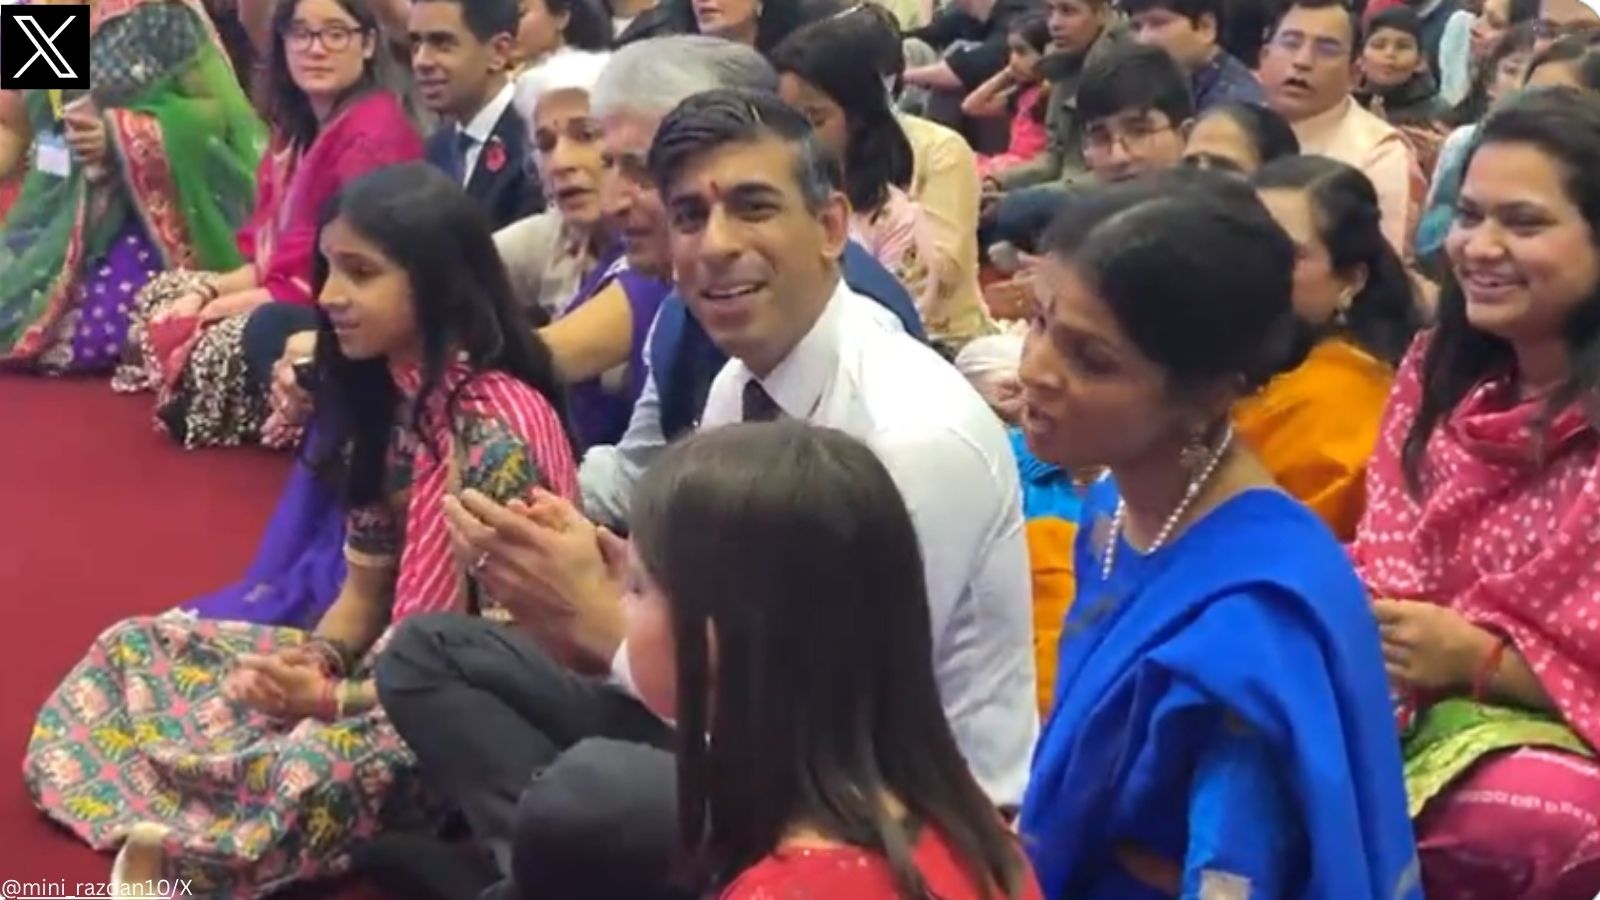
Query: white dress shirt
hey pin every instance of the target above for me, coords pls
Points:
(608, 472)
(481, 128)
(951, 459)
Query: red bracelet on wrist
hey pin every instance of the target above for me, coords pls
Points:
(1488, 668)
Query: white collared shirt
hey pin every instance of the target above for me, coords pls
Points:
(481, 128)
(858, 371)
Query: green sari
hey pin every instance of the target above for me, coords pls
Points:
(183, 143)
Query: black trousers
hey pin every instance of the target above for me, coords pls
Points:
(568, 781)
(267, 331)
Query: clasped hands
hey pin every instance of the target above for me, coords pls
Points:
(288, 684)
(556, 572)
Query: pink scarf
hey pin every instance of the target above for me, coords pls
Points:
(429, 579)
(1507, 532)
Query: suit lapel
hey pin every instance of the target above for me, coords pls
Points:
(502, 152)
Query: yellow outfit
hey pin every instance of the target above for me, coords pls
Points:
(1315, 428)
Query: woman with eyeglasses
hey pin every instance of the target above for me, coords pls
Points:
(206, 341)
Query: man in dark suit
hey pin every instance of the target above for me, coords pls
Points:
(461, 54)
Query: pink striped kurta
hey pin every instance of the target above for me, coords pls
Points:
(430, 580)
(140, 729)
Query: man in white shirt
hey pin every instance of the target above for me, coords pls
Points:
(757, 229)
(757, 232)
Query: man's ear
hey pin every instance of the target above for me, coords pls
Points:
(502, 50)
(834, 217)
(1208, 27)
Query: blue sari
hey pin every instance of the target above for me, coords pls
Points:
(1229, 712)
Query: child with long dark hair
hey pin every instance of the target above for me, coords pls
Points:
(1018, 91)
(800, 775)
(256, 756)
(827, 72)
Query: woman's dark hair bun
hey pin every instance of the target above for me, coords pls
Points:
(1284, 347)
(1196, 271)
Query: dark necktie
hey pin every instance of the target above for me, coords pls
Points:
(758, 405)
(464, 144)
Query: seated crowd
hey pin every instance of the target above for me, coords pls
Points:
(627, 351)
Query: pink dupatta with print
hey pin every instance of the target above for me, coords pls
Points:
(430, 580)
(1506, 531)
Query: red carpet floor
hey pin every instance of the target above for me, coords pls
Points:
(100, 518)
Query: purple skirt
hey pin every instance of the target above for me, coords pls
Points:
(105, 299)
(298, 568)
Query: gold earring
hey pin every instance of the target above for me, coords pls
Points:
(1196, 451)
(1341, 312)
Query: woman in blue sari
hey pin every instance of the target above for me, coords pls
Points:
(1222, 724)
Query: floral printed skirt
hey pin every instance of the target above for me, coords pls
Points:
(140, 732)
(204, 397)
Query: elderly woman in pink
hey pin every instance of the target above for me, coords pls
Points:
(1481, 540)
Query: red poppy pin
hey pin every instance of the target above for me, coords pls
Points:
(494, 155)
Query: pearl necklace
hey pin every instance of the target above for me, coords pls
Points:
(1108, 561)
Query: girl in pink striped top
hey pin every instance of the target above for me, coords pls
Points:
(247, 757)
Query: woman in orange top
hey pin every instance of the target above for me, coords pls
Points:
(1315, 426)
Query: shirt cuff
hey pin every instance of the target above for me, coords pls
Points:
(621, 675)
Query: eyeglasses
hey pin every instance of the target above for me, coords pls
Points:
(334, 38)
(1131, 135)
(1322, 48)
